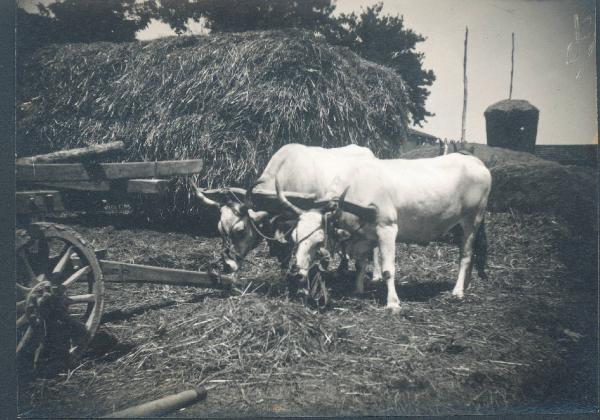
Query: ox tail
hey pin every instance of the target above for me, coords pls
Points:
(480, 250)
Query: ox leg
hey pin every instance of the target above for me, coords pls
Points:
(343, 267)
(376, 265)
(386, 236)
(466, 259)
(361, 268)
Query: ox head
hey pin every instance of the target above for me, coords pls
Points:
(312, 231)
(238, 224)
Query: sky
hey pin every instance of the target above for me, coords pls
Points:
(553, 70)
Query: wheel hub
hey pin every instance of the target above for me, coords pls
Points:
(44, 302)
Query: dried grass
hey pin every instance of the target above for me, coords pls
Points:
(230, 99)
(503, 348)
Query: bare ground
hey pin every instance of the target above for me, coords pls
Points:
(523, 340)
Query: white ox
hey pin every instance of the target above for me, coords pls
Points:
(410, 201)
(299, 168)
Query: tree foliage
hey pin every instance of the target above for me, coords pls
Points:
(385, 40)
(247, 15)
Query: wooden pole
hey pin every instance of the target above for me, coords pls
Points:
(464, 111)
(75, 154)
(512, 66)
(120, 272)
(161, 406)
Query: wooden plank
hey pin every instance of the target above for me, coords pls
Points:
(147, 186)
(139, 186)
(92, 186)
(119, 272)
(68, 172)
(94, 151)
(40, 201)
(262, 199)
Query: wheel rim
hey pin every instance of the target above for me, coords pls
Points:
(59, 296)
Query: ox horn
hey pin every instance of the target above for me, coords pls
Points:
(343, 196)
(248, 195)
(335, 205)
(205, 200)
(285, 201)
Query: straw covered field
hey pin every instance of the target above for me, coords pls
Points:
(524, 339)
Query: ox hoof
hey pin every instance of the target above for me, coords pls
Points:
(394, 309)
(359, 291)
(458, 294)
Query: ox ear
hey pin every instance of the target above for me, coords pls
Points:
(279, 236)
(257, 216)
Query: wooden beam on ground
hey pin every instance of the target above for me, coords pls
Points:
(69, 172)
(119, 272)
(94, 151)
(162, 405)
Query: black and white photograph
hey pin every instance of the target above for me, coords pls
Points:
(299, 208)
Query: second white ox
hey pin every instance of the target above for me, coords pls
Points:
(299, 168)
(411, 201)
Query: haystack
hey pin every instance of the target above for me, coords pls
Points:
(523, 182)
(230, 99)
(512, 123)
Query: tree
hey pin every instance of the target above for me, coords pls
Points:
(247, 15)
(83, 21)
(385, 40)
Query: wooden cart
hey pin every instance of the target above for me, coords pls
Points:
(60, 277)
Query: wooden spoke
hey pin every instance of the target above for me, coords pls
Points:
(79, 334)
(30, 272)
(37, 354)
(22, 320)
(62, 262)
(24, 339)
(21, 305)
(81, 298)
(77, 275)
(23, 289)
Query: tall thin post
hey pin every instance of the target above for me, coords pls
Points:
(512, 65)
(464, 111)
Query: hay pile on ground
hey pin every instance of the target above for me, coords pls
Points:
(491, 156)
(523, 182)
(504, 347)
(230, 99)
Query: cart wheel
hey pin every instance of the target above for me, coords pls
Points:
(317, 293)
(59, 297)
